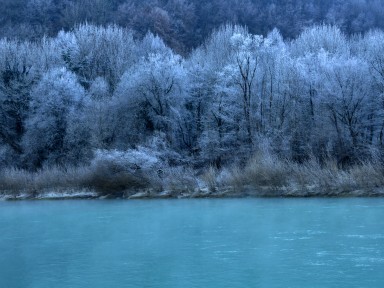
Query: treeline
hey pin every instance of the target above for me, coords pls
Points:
(96, 88)
(185, 24)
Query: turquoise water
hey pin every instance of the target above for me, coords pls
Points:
(192, 243)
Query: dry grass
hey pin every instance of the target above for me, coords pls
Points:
(210, 179)
(368, 175)
(104, 178)
(266, 171)
(15, 181)
(262, 170)
(179, 180)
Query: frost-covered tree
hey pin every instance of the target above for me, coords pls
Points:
(373, 51)
(19, 69)
(92, 51)
(152, 44)
(234, 101)
(349, 100)
(56, 131)
(247, 57)
(152, 92)
(211, 109)
(99, 114)
(314, 47)
(321, 38)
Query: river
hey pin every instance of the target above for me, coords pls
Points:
(192, 243)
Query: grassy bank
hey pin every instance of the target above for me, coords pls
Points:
(264, 175)
(105, 177)
(272, 176)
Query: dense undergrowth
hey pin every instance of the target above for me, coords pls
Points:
(123, 174)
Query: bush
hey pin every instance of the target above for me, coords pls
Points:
(111, 177)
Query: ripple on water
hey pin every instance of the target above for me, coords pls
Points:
(362, 236)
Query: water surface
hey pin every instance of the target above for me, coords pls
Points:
(192, 243)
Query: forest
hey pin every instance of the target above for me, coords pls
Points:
(98, 94)
(185, 24)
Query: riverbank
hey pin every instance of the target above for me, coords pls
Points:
(224, 192)
(263, 176)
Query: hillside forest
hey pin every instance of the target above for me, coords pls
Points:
(185, 24)
(181, 90)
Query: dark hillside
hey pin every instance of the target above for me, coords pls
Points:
(184, 24)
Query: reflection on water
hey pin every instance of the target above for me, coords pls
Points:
(192, 243)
